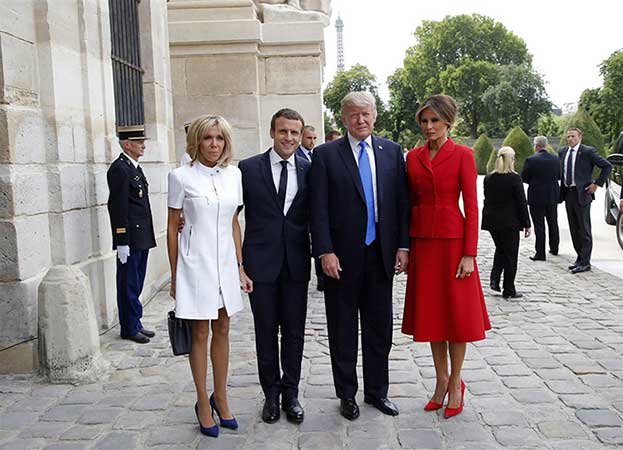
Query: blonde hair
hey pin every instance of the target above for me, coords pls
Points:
(198, 130)
(505, 162)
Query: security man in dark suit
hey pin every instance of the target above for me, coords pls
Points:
(132, 230)
(577, 191)
(276, 256)
(541, 172)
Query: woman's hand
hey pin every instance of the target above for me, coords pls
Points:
(526, 232)
(246, 284)
(466, 267)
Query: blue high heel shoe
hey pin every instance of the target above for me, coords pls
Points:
(232, 423)
(211, 431)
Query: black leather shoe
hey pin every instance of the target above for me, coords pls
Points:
(139, 338)
(148, 333)
(293, 409)
(515, 295)
(349, 408)
(573, 266)
(581, 268)
(270, 412)
(383, 404)
(537, 258)
(495, 286)
(553, 252)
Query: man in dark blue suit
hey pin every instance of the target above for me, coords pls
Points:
(276, 256)
(577, 190)
(359, 221)
(308, 142)
(541, 172)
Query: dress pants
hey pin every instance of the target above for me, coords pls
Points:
(279, 306)
(130, 279)
(540, 214)
(505, 258)
(369, 295)
(579, 217)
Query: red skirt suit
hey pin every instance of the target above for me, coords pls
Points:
(439, 306)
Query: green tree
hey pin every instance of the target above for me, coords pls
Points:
(549, 125)
(357, 78)
(604, 104)
(403, 105)
(519, 141)
(482, 152)
(329, 123)
(591, 134)
(516, 100)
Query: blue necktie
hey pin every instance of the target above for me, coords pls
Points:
(366, 180)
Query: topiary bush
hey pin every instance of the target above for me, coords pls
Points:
(520, 142)
(482, 152)
(591, 134)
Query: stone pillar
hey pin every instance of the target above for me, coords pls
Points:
(69, 344)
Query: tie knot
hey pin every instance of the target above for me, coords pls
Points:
(284, 164)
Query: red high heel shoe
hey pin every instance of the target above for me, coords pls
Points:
(451, 412)
(433, 406)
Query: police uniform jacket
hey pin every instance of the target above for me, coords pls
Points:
(128, 206)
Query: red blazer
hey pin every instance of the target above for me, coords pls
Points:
(434, 193)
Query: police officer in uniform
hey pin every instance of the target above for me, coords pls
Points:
(132, 230)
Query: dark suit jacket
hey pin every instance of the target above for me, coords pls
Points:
(505, 205)
(270, 238)
(339, 215)
(541, 172)
(128, 206)
(300, 152)
(586, 159)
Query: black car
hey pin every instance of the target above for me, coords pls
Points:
(612, 212)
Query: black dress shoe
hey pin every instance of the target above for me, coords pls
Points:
(495, 286)
(553, 252)
(270, 412)
(139, 338)
(515, 295)
(293, 409)
(148, 333)
(382, 404)
(349, 408)
(573, 266)
(537, 258)
(581, 268)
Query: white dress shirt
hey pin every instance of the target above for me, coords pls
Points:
(293, 185)
(132, 160)
(571, 156)
(354, 145)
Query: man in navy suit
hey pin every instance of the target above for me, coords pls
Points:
(276, 256)
(359, 226)
(308, 142)
(541, 172)
(577, 190)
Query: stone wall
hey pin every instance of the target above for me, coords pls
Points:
(245, 60)
(57, 138)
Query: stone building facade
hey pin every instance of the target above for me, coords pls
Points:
(242, 59)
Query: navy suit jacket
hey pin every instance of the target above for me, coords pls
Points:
(338, 206)
(300, 152)
(586, 159)
(270, 238)
(541, 172)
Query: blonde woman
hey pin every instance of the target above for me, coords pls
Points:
(206, 269)
(504, 215)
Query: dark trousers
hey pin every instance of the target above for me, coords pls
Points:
(320, 276)
(505, 258)
(540, 214)
(130, 279)
(368, 294)
(279, 306)
(579, 217)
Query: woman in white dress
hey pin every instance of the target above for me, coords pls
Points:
(206, 261)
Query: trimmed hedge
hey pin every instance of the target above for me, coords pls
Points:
(591, 134)
(520, 142)
(482, 152)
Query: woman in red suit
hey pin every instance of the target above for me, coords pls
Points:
(444, 304)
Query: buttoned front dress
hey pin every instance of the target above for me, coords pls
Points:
(207, 268)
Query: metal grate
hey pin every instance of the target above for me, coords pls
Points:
(126, 62)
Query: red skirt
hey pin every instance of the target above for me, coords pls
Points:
(439, 306)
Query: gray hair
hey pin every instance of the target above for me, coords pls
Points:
(505, 162)
(540, 142)
(359, 99)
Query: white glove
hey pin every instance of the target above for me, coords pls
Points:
(123, 251)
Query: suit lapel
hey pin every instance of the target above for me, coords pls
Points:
(346, 153)
(300, 178)
(267, 175)
(424, 158)
(444, 153)
(380, 165)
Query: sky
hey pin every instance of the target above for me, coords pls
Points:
(568, 40)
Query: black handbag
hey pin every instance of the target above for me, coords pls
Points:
(180, 334)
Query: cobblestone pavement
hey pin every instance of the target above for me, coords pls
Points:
(549, 376)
